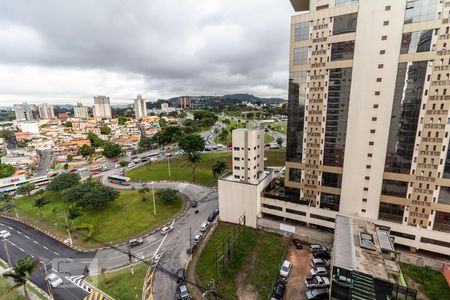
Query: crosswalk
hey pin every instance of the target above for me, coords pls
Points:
(79, 281)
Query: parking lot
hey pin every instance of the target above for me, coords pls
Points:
(301, 263)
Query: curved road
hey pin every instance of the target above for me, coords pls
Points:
(70, 264)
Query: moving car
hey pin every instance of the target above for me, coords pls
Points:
(319, 262)
(204, 226)
(180, 275)
(318, 271)
(4, 234)
(278, 290)
(194, 203)
(317, 282)
(317, 294)
(182, 292)
(285, 269)
(54, 280)
(297, 243)
(165, 230)
(135, 242)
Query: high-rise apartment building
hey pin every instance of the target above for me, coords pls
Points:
(25, 112)
(81, 111)
(140, 107)
(248, 154)
(184, 102)
(102, 107)
(368, 118)
(46, 111)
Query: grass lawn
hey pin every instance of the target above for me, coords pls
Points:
(6, 293)
(430, 282)
(280, 127)
(181, 168)
(268, 138)
(126, 217)
(121, 284)
(256, 262)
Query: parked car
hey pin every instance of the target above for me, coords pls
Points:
(180, 275)
(318, 271)
(4, 234)
(297, 243)
(194, 203)
(54, 280)
(285, 269)
(135, 242)
(321, 254)
(317, 282)
(131, 164)
(317, 247)
(198, 237)
(204, 226)
(165, 230)
(191, 249)
(319, 262)
(182, 292)
(278, 290)
(316, 294)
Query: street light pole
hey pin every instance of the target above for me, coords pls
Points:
(154, 203)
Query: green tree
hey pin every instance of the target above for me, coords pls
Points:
(86, 150)
(279, 142)
(219, 167)
(167, 195)
(223, 135)
(122, 120)
(40, 203)
(6, 170)
(90, 194)
(69, 157)
(21, 272)
(66, 167)
(95, 140)
(63, 181)
(105, 130)
(111, 150)
(168, 135)
(144, 190)
(145, 144)
(192, 144)
(25, 189)
(73, 212)
(123, 163)
(68, 124)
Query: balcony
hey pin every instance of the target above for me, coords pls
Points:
(278, 192)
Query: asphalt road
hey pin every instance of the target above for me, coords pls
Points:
(45, 158)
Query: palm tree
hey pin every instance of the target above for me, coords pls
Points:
(40, 203)
(22, 270)
(193, 157)
(218, 168)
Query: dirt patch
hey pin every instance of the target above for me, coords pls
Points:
(244, 290)
(301, 263)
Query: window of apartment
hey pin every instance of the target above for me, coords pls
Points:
(363, 210)
(420, 10)
(366, 177)
(380, 66)
(301, 31)
(377, 93)
(342, 50)
(236, 158)
(366, 188)
(344, 23)
(368, 166)
(372, 130)
(382, 52)
(374, 118)
(371, 143)
(237, 168)
(384, 37)
(295, 175)
(236, 148)
(379, 79)
(300, 55)
(385, 23)
(369, 154)
(417, 41)
(345, 2)
(388, 7)
(375, 106)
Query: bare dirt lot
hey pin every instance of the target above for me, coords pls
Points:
(301, 260)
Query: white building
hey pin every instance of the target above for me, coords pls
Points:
(46, 111)
(29, 126)
(81, 111)
(164, 106)
(140, 107)
(102, 107)
(25, 112)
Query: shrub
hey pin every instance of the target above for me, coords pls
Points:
(90, 230)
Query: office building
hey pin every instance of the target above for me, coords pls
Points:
(102, 107)
(46, 111)
(81, 111)
(140, 107)
(25, 112)
(368, 115)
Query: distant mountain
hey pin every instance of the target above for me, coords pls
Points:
(252, 98)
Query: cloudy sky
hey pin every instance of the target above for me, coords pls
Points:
(63, 51)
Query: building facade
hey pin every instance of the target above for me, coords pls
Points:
(140, 107)
(81, 111)
(368, 117)
(46, 111)
(184, 102)
(248, 154)
(25, 112)
(102, 107)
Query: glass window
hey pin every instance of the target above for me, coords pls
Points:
(345, 2)
(417, 41)
(420, 10)
(391, 212)
(342, 50)
(329, 201)
(444, 195)
(331, 179)
(295, 175)
(394, 188)
(301, 31)
(300, 55)
(344, 23)
(442, 221)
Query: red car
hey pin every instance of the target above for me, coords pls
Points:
(297, 243)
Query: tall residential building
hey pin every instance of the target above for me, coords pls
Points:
(46, 111)
(368, 118)
(81, 111)
(102, 107)
(25, 112)
(248, 154)
(184, 102)
(140, 107)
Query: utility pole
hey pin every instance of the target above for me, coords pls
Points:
(130, 258)
(6, 252)
(50, 291)
(154, 203)
(68, 229)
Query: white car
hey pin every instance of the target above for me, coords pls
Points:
(285, 269)
(4, 234)
(130, 165)
(204, 227)
(54, 280)
(165, 230)
(198, 237)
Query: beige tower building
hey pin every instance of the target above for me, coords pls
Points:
(102, 107)
(81, 111)
(369, 118)
(140, 108)
(46, 111)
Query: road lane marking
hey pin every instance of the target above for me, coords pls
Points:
(21, 249)
(34, 241)
(45, 247)
(26, 236)
(10, 227)
(56, 252)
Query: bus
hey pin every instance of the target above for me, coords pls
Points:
(119, 179)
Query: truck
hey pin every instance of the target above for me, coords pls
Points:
(317, 282)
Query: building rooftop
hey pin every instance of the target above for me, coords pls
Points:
(230, 177)
(360, 246)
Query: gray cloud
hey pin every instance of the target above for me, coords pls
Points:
(161, 47)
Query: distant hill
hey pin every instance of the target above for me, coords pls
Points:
(252, 98)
